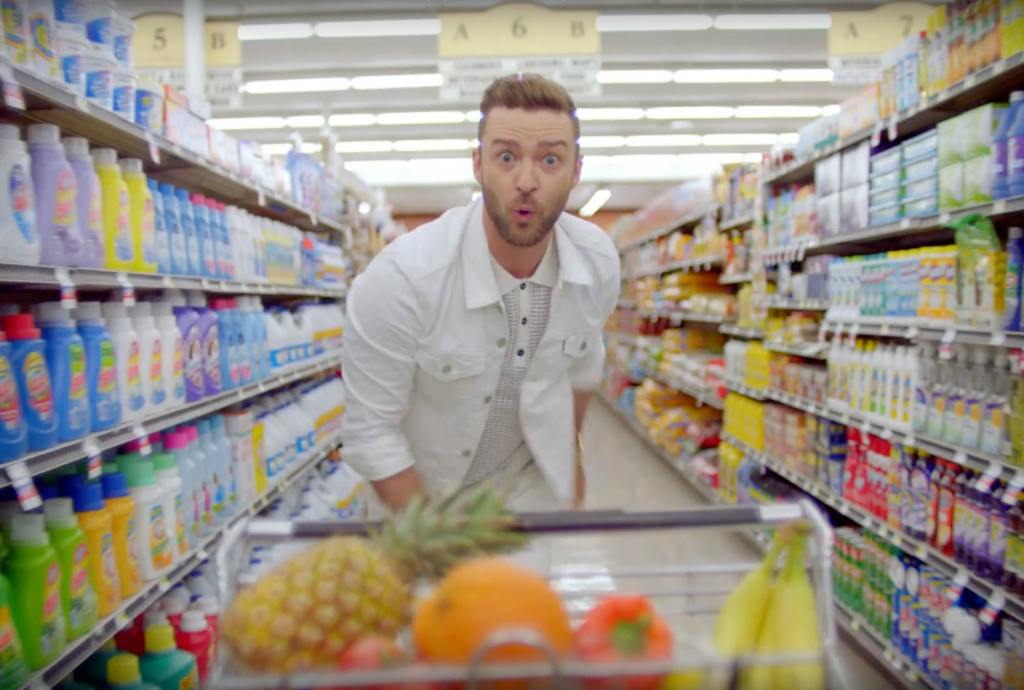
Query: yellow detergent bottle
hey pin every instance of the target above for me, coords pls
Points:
(117, 232)
(142, 221)
(122, 514)
(94, 518)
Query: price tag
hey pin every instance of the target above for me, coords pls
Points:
(127, 290)
(993, 606)
(946, 346)
(886, 433)
(838, 337)
(28, 497)
(312, 219)
(139, 432)
(121, 620)
(176, 150)
(999, 67)
(261, 198)
(1016, 358)
(970, 80)
(800, 251)
(910, 441)
(1013, 489)
(876, 135)
(853, 334)
(985, 481)
(94, 461)
(911, 332)
(998, 338)
(904, 224)
(944, 217)
(960, 456)
(82, 103)
(164, 585)
(956, 588)
(154, 150)
(866, 427)
(885, 329)
(205, 283)
(68, 292)
(999, 206)
(13, 97)
(892, 128)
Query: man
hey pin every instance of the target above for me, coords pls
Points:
(473, 344)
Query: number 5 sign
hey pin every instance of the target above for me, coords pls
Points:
(518, 30)
(160, 42)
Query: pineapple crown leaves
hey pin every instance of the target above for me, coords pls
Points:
(431, 537)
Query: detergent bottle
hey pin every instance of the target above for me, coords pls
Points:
(172, 226)
(228, 343)
(209, 339)
(28, 360)
(53, 180)
(213, 221)
(123, 674)
(154, 529)
(217, 479)
(141, 215)
(201, 227)
(33, 570)
(18, 234)
(169, 480)
(164, 665)
(176, 444)
(211, 610)
(1014, 146)
(88, 201)
(13, 433)
(76, 590)
(126, 357)
(206, 492)
(194, 637)
(13, 672)
(220, 438)
(65, 358)
(119, 503)
(98, 526)
(172, 350)
(186, 219)
(151, 358)
(100, 367)
(93, 671)
(163, 243)
(191, 347)
(122, 249)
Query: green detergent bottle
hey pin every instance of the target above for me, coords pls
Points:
(166, 666)
(34, 571)
(93, 671)
(81, 607)
(123, 674)
(13, 671)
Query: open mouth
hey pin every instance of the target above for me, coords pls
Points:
(523, 214)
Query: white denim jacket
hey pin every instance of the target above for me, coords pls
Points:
(425, 342)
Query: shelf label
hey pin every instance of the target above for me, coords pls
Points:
(261, 198)
(139, 432)
(993, 606)
(1013, 489)
(998, 338)
(28, 497)
(82, 103)
(876, 135)
(91, 449)
(970, 80)
(837, 338)
(852, 340)
(944, 217)
(312, 219)
(960, 456)
(154, 150)
(985, 481)
(13, 97)
(911, 332)
(68, 292)
(894, 122)
(905, 224)
(999, 206)
(127, 290)
(956, 588)
(946, 346)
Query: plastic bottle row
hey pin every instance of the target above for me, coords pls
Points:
(68, 373)
(62, 206)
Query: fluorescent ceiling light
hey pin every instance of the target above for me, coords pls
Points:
(789, 138)
(351, 120)
(382, 27)
(596, 202)
(690, 113)
(830, 110)
(297, 85)
(474, 116)
(653, 22)
(226, 123)
(770, 111)
(271, 32)
(634, 76)
(477, 194)
(421, 118)
(301, 121)
(433, 145)
(364, 146)
(396, 81)
(601, 142)
(740, 139)
(364, 207)
(718, 76)
(594, 114)
(758, 22)
(285, 149)
(663, 140)
(806, 75)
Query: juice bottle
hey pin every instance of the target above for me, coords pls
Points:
(95, 520)
(122, 530)
(122, 249)
(164, 665)
(13, 672)
(123, 674)
(141, 215)
(76, 591)
(32, 567)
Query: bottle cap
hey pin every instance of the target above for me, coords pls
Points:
(133, 446)
(48, 491)
(154, 617)
(91, 311)
(114, 484)
(154, 186)
(164, 462)
(193, 621)
(130, 166)
(124, 459)
(198, 200)
(166, 189)
(176, 441)
(207, 604)
(88, 497)
(173, 606)
(29, 529)
(160, 638)
(191, 432)
(210, 203)
(156, 439)
(20, 327)
(53, 314)
(39, 133)
(217, 423)
(66, 484)
(182, 195)
(59, 512)
(123, 669)
(203, 427)
(139, 473)
(106, 157)
(76, 146)
(1016, 96)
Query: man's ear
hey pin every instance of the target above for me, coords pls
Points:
(577, 169)
(477, 166)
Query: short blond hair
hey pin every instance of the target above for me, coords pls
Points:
(527, 91)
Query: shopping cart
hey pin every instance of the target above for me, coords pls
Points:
(692, 591)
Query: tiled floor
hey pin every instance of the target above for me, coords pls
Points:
(622, 472)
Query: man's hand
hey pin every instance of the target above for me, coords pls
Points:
(581, 476)
(396, 491)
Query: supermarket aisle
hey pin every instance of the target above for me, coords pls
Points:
(624, 473)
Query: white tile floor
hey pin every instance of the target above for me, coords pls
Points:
(622, 472)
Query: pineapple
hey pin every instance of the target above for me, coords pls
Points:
(306, 610)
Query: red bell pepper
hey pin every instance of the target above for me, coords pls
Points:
(623, 627)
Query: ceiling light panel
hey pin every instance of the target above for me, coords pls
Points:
(830, 109)
(421, 118)
(596, 114)
(689, 113)
(351, 120)
(777, 111)
(384, 27)
(396, 81)
(664, 140)
(719, 76)
(433, 145)
(601, 142)
(805, 75)
(740, 139)
(594, 204)
(607, 23)
(284, 149)
(273, 32)
(297, 85)
(364, 146)
(759, 22)
(474, 116)
(634, 76)
(305, 121)
(226, 123)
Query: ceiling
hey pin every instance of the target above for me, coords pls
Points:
(633, 169)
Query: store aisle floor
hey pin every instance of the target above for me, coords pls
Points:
(622, 472)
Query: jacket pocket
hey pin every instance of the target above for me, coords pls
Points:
(578, 344)
(451, 366)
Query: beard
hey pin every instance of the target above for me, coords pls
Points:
(528, 234)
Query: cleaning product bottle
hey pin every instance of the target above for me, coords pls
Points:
(194, 638)
(151, 357)
(123, 674)
(88, 202)
(1012, 282)
(996, 406)
(155, 544)
(32, 567)
(205, 490)
(163, 243)
(979, 388)
(247, 318)
(76, 591)
(1008, 151)
(164, 665)
(213, 227)
(122, 249)
(97, 524)
(141, 214)
(53, 180)
(65, 359)
(228, 343)
(28, 360)
(172, 353)
(217, 479)
(172, 226)
(223, 443)
(176, 444)
(93, 670)
(187, 221)
(174, 607)
(18, 234)
(100, 367)
(227, 250)
(956, 398)
(201, 228)
(207, 604)
(13, 433)
(126, 356)
(13, 672)
(209, 339)
(121, 507)
(169, 480)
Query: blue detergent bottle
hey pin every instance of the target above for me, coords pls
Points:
(201, 228)
(163, 242)
(185, 218)
(28, 359)
(1015, 148)
(243, 340)
(13, 433)
(229, 378)
(100, 367)
(1001, 148)
(172, 225)
(65, 359)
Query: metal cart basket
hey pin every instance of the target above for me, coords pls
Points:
(692, 593)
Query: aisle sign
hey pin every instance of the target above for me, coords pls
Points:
(467, 78)
(857, 40)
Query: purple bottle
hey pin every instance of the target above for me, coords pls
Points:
(998, 536)
(983, 528)
(89, 201)
(209, 339)
(191, 347)
(54, 182)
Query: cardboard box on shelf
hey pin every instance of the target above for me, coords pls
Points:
(855, 165)
(827, 175)
(951, 186)
(828, 215)
(977, 184)
(853, 209)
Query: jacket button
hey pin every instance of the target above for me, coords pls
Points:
(502, 342)
(466, 453)
(487, 400)
(446, 369)
(583, 346)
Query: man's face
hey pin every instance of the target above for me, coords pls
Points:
(527, 165)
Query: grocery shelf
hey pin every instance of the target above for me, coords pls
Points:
(740, 222)
(744, 389)
(878, 330)
(62, 454)
(805, 350)
(680, 316)
(628, 338)
(83, 647)
(962, 455)
(49, 101)
(681, 222)
(100, 279)
(736, 278)
(706, 263)
(930, 331)
(702, 394)
(742, 331)
(881, 651)
(976, 89)
(776, 302)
